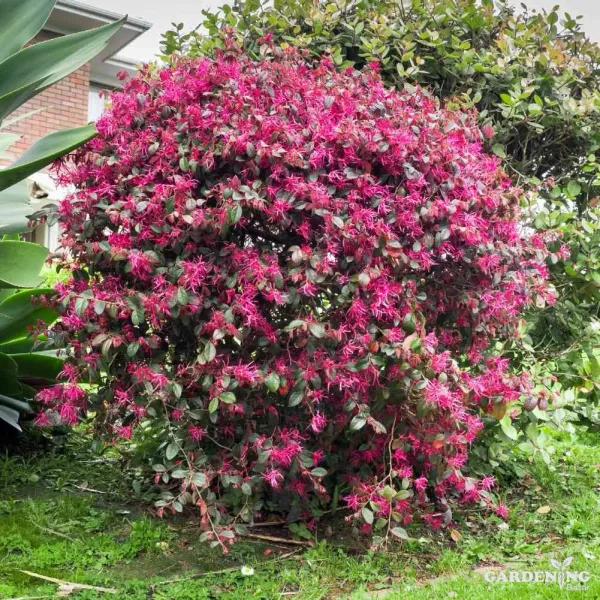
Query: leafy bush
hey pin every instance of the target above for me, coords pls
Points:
(285, 279)
(566, 337)
(535, 81)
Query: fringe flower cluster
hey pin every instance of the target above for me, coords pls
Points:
(285, 283)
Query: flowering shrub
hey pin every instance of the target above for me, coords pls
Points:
(534, 79)
(285, 280)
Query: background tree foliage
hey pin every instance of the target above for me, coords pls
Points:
(534, 77)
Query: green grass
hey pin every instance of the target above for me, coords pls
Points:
(52, 524)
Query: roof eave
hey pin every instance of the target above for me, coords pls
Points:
(70, 16)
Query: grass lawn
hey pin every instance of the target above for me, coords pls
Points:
(55, 523)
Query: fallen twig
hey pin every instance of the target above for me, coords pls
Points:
(267, 524)
(29, 598)
(196, 576)
(254, 525)
(58, 533)
(73, 586)
(279, 540)
(271, 544)
(88, 489)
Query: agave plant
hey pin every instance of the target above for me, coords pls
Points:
(25, 366)
(25, 71)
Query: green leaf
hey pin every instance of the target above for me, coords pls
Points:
(228, 397)
(357, 423)
(364, 279)
(294, 324)
(172, 451)
(498, 150)
(19, 345)
(132, 349)
(532, 432)
(213, 405)
(21, 20)
(209, 352)
(182, 296)
(81, 305)
(20, 264)
(272, 382)
(10, 416)
(15, 208)
(19, 311)
(199, 479)
(400, 532)
(38, 366)
(508, 428)
(367, 515)
(594, 366)
(19, 405)
(573, 189)
(319, 472)
(295, 398)
(338, 222)
(234, 214)
(137, 316)
(317, 329)
(9, 384)
(33, 69)
(44, 152)
(177, 389)
(409, 323)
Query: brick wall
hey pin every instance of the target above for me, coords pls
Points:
(65, 105)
